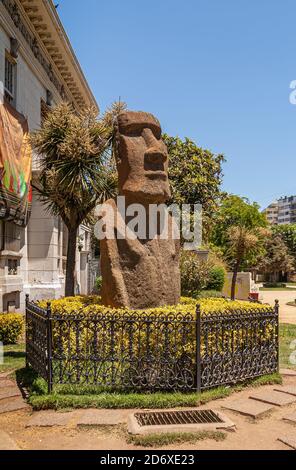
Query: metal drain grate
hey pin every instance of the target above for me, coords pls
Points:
(178, 421)
(178, 417)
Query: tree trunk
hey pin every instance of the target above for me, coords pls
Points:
(234, 278)
(71, 261)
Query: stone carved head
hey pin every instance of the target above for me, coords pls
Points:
(142, 158)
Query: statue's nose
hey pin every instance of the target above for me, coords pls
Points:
(156, 152)
(155, 155)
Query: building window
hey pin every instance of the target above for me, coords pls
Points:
(10, 79)
(12, 267)
(10, 236)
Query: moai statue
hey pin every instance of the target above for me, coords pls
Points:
(140, 272)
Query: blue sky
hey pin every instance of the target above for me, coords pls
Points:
(216, 71)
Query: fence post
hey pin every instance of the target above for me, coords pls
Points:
(276, 310)
(49, 348)
(198, 355)
(26, 329)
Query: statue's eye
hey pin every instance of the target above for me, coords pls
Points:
(136, 130)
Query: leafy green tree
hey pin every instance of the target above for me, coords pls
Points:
(75, 170)
(287, 232)
(238, 233)
(235, 211)
(195, 176)
(277, 258)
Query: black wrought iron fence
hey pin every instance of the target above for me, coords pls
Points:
(147, 352)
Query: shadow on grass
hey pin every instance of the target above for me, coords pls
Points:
(15, 355)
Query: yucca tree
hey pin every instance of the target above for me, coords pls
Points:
(242, 241)
(75, 169)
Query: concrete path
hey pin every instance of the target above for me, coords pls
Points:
(287, 313)
(10, 396)
(259, 425)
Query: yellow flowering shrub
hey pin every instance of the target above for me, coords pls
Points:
(91, 305)
(77, 340)
(11, 327)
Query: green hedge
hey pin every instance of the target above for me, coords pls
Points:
(216, 279)
(11, 327)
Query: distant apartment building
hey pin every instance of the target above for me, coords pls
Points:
(272, 212)
(282, 211)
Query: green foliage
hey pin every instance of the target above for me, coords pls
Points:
(98, 284)
(11, 327)
(235, 211)
(216, 278)
(287, 232)
(198, 274)
(86, 307)
(195, 176)
(277, 257)
(195, 274)
(14, 357)
(39, 400)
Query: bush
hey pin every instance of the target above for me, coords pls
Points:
(89, 305)
(11, 327)
(216, 278)
(195, 274)
(130, 337)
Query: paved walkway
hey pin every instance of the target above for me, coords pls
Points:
(264, 418)
(287, 313)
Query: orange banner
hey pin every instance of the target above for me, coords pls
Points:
(15, 166)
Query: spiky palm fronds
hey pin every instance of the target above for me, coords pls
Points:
(75, 168)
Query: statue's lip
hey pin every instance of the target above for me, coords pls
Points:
(156, 174)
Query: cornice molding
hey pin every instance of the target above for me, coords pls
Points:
(51, 48)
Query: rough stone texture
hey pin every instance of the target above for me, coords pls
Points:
(291, 417)
(12, 405)
(6, 442)
(50, 419)
(9, 392)
(251, 408)
(142, 272)
(103, 417)
(289, 440)
(274, 398)
(290, 389)
(288, 372)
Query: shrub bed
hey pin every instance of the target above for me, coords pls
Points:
(11, 327)
(154, 348)
(91, 305)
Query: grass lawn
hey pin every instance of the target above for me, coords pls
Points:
(14, 358)
(287, 335)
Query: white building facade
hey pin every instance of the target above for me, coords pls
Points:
(38, 68)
